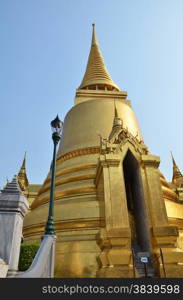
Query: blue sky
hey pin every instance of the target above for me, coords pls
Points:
(43, 55)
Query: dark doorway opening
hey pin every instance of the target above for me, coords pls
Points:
(136, 209)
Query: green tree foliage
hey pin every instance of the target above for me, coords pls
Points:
(27, 254)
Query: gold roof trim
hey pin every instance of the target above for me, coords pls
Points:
(96, 75)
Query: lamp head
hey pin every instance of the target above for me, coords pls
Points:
(57, 125)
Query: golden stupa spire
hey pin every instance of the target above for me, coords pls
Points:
(176, 172)
(22, 176)
(96, 75)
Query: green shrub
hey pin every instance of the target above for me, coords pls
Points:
(27, 254)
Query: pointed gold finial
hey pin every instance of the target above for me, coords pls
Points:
(173, 160)
(96, 75)
(24, 161)
(177, 175)
(117, 120)
(94, 38)
(22, 176)
(115, 110)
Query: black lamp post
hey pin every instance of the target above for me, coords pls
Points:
(57, 126)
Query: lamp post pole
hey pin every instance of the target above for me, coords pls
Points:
(57, 128)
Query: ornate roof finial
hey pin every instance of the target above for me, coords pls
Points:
(176, 172)
(24, 161)
(115, 110)
(173, 160)
(96, 75)
(94, 38)
(22, 176)
(117, 122)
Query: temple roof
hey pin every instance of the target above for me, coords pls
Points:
(96, 75)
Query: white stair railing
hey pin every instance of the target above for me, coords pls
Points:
(43, 263)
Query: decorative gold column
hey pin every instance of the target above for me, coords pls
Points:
(164, 237)
(155, 195)
(114, 240)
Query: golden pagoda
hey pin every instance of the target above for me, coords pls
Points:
(110, 196)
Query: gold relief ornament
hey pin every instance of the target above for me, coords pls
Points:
(116, 141)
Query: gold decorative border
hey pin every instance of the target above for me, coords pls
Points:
(58, 195)
(78, 152)
(67, 180)
(74, 169)
(65, 225)
(66, 171)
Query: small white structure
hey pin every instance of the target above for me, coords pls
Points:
(13, 207)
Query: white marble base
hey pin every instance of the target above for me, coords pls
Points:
(10, 238)
(3, 269)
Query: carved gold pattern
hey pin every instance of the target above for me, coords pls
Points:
(118, 138)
